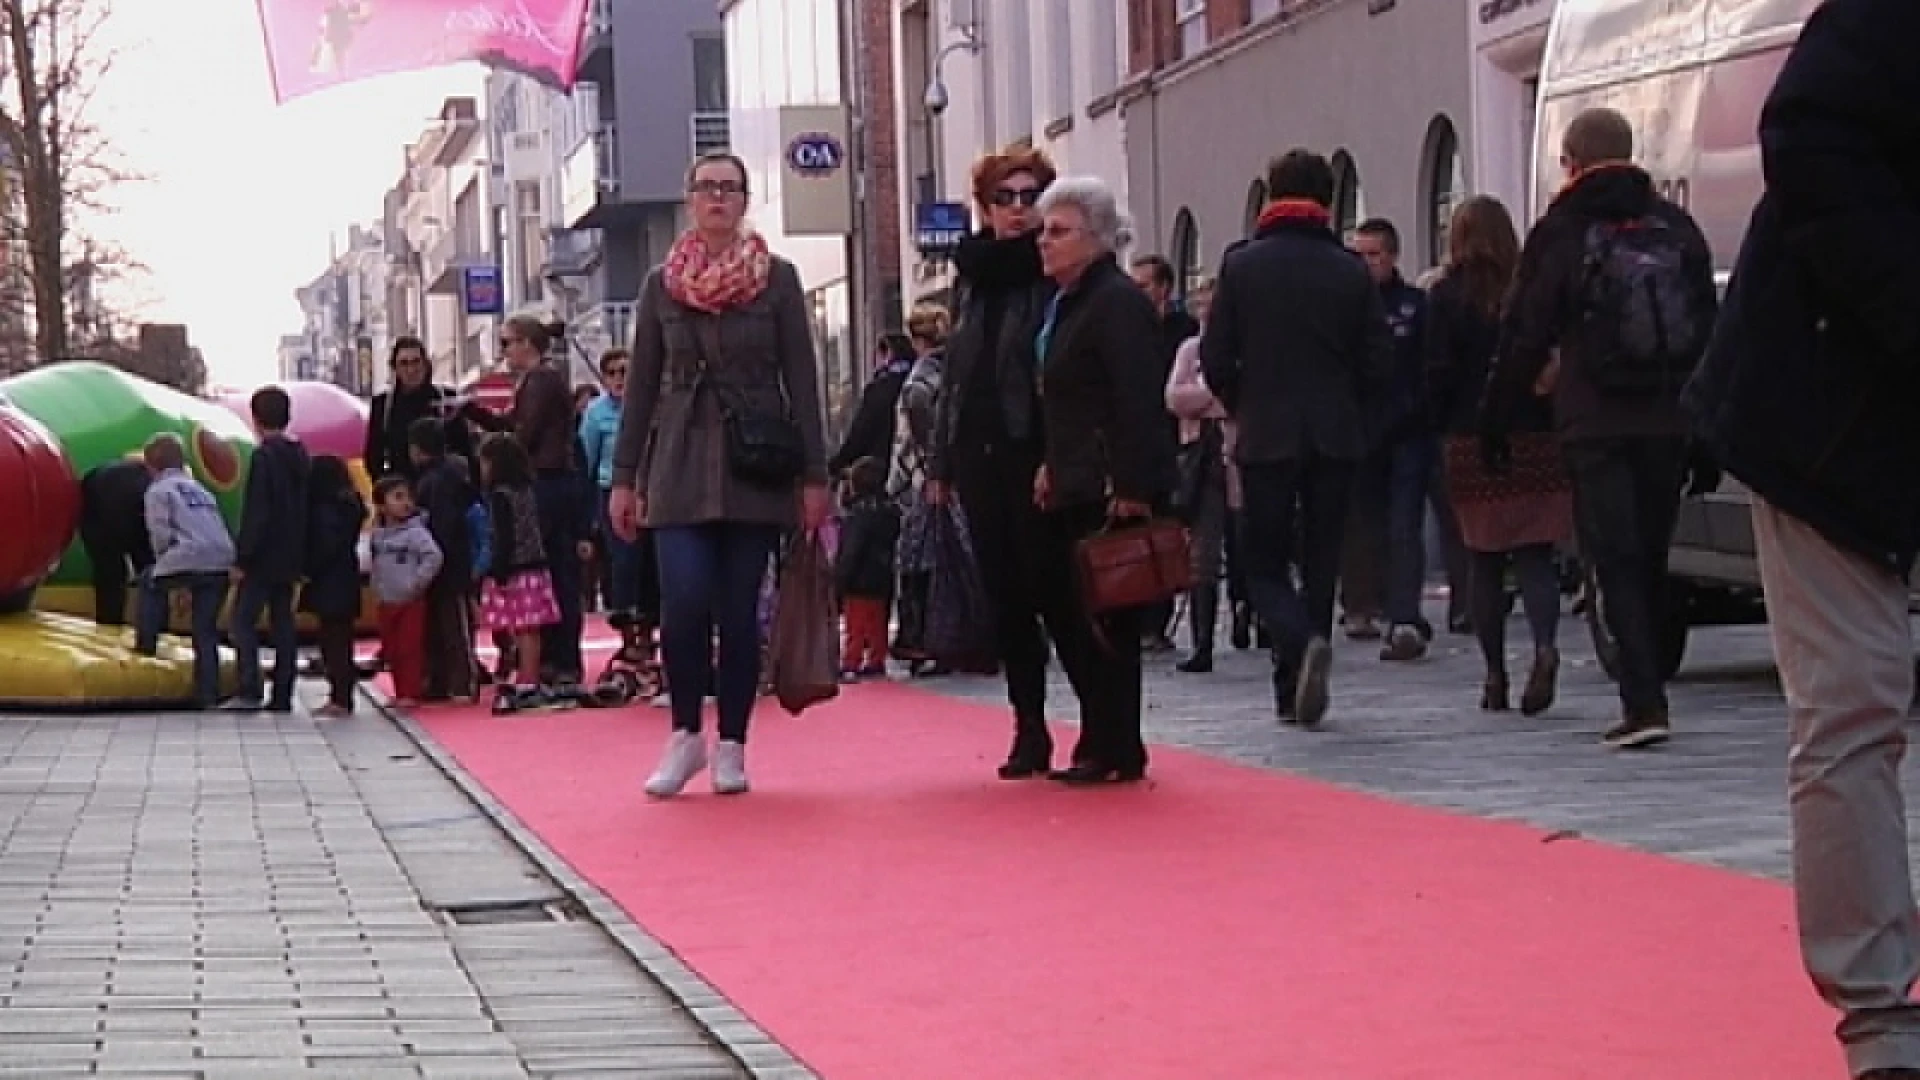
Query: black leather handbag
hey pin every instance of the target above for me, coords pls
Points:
(764, 449)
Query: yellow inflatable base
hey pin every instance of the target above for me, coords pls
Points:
(51, 661)
(77, 600)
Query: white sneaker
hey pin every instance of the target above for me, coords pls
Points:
(730, 768)
(686, 755)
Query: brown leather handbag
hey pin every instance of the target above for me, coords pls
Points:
(1133, 565)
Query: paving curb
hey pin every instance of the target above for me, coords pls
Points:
(750, 1045)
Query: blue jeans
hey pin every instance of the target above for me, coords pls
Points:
(1409, 477)
(710, 577)
(207, 591)
(623, 561)
(243, 626)
(560, 498)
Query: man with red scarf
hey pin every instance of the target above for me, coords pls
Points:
(1298, 350)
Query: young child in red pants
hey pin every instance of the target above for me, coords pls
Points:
(863, 569)
(405, 562)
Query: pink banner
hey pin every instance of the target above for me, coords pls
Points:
(314, 44)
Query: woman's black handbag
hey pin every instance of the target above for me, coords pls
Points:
(1199, 466)
(764, 449)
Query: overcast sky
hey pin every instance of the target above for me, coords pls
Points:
(243, 194)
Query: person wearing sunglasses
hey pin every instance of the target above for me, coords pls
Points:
(721, 450)
(633, 595)
(986, 445)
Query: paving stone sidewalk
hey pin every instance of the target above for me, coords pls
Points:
(218, 895)
(1414, 732)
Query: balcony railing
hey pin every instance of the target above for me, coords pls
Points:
(603, 327)
(710, 132)
(606, 160)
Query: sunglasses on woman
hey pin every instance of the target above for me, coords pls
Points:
(1022, 196)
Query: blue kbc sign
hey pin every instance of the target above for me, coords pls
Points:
(815, 154)
(939, 227)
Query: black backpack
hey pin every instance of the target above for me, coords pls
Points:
(1645, 323)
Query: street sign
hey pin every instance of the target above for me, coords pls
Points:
(480, 290)
(938, 228)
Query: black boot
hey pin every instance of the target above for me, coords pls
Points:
(1203, 613)
(1242, 627)
(1032, 752)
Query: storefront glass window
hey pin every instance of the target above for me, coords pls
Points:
(1446, 185)
(1349, 203)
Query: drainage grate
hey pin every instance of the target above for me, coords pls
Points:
(512, 912)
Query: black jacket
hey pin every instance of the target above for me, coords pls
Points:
(1545, 311)
(112, 508)
(445, 492)
(1807, 394)
(1296, 346)
(271, 546)
(1102, 395)
(863, 565)
(1460, 343)
(389, 417)
(988, 388)
(1401, 414)
(871, 433)
(333, 559)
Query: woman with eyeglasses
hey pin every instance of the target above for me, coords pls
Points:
(723, 362)
(986, 445)
(412, 397)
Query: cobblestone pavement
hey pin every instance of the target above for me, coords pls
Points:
(219, 895)
(1413, 732)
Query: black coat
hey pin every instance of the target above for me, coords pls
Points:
(1297, 346)
(988, 387)
(1548, 301)
(112, 510)
(872, 431)
(1102, 396)
(333, 560)
(271, 545)
(1807, 394)
(1400, 414)
(1460, 344)
(445, 492)
(863, 565)
(388, 419)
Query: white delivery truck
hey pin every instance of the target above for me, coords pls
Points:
(1691, 75)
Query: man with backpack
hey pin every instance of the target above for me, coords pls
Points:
(1615, 291)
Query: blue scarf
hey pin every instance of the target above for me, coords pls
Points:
(1044, 339)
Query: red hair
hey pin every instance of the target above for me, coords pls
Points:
(992, 170)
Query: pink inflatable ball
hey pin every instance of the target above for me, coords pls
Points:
(326, 419)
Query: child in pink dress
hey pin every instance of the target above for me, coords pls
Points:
(517, 596)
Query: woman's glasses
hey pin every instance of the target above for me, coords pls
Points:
(718, 189)
(1007, 196)
(507, 342)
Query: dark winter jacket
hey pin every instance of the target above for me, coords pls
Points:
(516, 532)
(1460, 343)
(112, 501)
(872, 432)
(1547, 305)
(445, 492)
(333, 558)
(863, 566)
(391, 414)
(1296, 346)
(988, 394)
(1103, 395)
(1401, 415)
(271, 546)
(1807, 394)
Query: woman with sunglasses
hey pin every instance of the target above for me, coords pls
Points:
(986, 446)
(393, 411)
(633, 594)
(722, 340)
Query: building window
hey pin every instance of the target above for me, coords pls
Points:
(1349, 202)
(1191, 17)
(1256, 202)
(1184, 252)
(1017, 41)
(1445, 184)
(709, 73)
(1103, 38)
(530, 239)
(1060, 58)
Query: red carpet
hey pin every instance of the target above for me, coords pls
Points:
(890, 912)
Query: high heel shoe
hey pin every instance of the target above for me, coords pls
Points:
(1541, 682)
(1091, 774)
(1493, 696)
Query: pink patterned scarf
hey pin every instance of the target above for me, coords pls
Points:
(711, 282)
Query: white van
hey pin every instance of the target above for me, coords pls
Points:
(1691, 76)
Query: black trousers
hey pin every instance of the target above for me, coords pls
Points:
(1295, 521)
(451, 670)
(336, 659)
(1364, 553)
(117, 553)
(995, 486)
(1626, 497)
(1101, 656)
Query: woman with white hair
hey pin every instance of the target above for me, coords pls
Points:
(1109, 457)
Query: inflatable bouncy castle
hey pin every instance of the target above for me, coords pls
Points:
(61, 421)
